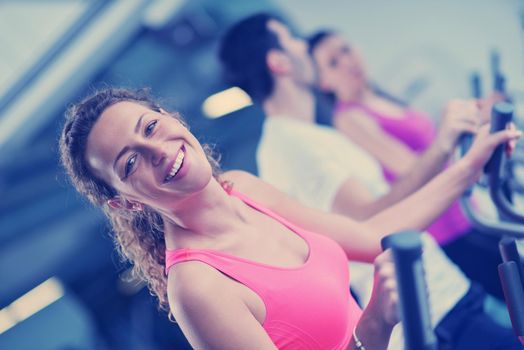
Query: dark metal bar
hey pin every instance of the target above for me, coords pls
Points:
(414, 305)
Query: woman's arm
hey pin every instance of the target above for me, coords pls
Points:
(365, 132)
(361, 240)
(376, 323)
(459, 116)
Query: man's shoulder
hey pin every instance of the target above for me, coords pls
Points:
(290, 134)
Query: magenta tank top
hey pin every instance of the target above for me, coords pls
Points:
(416, 130)
(307, 307)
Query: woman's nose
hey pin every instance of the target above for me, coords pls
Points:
(155, 152)
(157, 156)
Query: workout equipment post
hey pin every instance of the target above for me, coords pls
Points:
(511, 273)
(514, 295)
(414, 305)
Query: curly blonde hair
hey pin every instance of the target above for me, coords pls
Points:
(138, 236)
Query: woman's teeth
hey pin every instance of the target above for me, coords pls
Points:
(176, 167)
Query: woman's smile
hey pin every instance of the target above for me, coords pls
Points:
(175, 167)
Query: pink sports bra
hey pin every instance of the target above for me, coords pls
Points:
(307, 307)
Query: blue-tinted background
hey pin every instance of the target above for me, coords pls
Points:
(55, 51)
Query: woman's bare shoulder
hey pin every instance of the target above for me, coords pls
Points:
(239, 178)
(189, 284)
(252, 186)
(199, 295)
(189, 278)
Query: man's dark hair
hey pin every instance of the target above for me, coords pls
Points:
(243, 53)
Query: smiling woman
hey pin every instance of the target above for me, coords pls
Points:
(176, 219)
(138, 234)
(238, 263)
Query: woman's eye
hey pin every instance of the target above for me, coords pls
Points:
(150, 127)
(333, 62)
(129, 165)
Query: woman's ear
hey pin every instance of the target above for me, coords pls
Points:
(118, 202)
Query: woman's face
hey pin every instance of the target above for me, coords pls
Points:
(340, 68)
(147, 156)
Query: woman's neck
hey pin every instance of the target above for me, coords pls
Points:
(203, 216)
(359, 96)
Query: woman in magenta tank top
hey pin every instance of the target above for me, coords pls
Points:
(397, 136)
